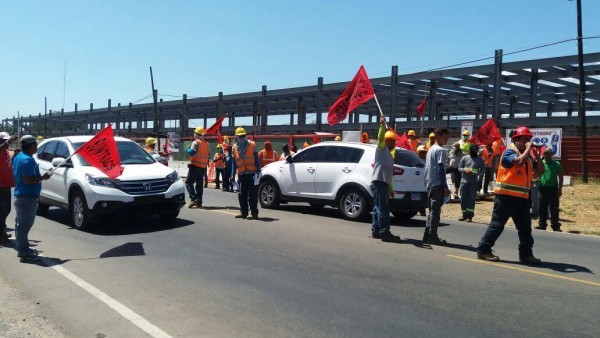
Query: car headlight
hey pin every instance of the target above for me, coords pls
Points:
(173, 177)
(99, 181)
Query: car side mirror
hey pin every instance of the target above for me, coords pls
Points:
(289, 159)
(58, 161)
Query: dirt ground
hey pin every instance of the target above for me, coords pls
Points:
(579, 209)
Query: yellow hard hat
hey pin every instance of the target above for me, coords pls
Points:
(466, 133)
(421, 149)
(200, 131)
(411, 133)
(338, 138)
(389, 135)
(39, 138)
(432, 135)
(226, 138)
(219, 146)
(240, 131)
(150, 141)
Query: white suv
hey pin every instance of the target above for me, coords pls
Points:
(339, 174)
(145, 185)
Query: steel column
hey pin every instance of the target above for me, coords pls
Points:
(533, 93)
(319, 102)
(497, 83)
(393, 86)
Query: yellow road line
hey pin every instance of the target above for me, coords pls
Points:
(225, 212)
(583, 281)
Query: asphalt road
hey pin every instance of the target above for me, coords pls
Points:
(301, 272)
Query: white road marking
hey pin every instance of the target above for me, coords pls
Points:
(123, 310)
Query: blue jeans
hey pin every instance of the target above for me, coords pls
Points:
(25, 207)
(248, 194)
(5, 200)
(436, 201)
(506, 207)
(195, 177)
(381, 212)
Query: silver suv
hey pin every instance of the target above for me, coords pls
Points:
(339, 174)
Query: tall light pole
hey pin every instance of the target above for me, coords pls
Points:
(581, 110)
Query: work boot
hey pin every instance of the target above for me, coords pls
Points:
(436, 240)
(530, 260)
(541, 227)
(253, 216)
(487, 256)
(375, 235)
(4, 236)
(462, 218)
(388, 237)
(556, 228)
(241, 216)
(192, 204)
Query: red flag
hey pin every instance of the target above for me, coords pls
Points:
(401, 141)
(315, 139)
(215, 127)
(488, 133)
(101, 152)
(421, 107)
(358, 92)
(219, 140)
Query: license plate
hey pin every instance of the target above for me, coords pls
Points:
(415, 197)
(149, 199)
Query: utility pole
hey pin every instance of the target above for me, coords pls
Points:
(581, 110)
(155, 98)
(45, 117)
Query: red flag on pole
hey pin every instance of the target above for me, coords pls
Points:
(421, 107)
(315, 139)
(358, 92)
(401, 141)
(101, 152)
(219, 140)
(488, 133)
(215, 127)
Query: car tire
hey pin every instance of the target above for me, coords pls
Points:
(316, 206)
(269, 195)
(42, 209)
(354, 205)
(80, 214)
(168, 215)
(404, 216)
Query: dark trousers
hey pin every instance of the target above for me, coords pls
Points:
(456, 176)
(248, 195)
(194, 183)
(5, 207)
(218, 175)
(485, 180)
(226, 178)
(468, 194)
(436, 201)
(381, 213)
(506, 207)
(549, 201)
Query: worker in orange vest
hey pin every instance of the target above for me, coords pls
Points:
(267, 155)
(488, 155)
(199, 152)
(513, 184)
(246, 163)
(219, 161)
(413, 140)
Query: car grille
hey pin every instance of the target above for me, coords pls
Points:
(143, 187)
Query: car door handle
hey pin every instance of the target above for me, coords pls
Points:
(347, 170)
(311, 170)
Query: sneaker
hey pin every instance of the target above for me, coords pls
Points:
(540, 227)
(436, 240)
(241, 216)
(375, 235)
(462, 218)
(530, 260)
(198, 204)
(255, 216)
(192, 204)
(29, 257)
(487, 256)
(470, 219)
(390, 238)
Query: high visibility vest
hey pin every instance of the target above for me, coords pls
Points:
(245, 163)
(200, 157)
(516, 180)
(264, 157)
(488, 157)
(465, 146)
(219, 161)
(414, 144)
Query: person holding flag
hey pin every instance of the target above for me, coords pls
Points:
(381, 184)
(199, 152)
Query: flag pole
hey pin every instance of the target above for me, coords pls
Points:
(380, 111)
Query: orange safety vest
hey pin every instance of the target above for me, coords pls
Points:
(263, 156)
(200, 158)
(488, 157)
(245, 163)
(219, 161)
(516, 180)
(414, 144)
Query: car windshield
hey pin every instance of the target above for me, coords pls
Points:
(129, 153)
(408, 159)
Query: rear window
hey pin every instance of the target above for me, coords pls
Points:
(408, 159)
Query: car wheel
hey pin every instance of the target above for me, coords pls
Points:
(401, 217)
(268, 195)
(80, 214)
(168, 215)
(354, 205)
(42, 209)
(317, 206)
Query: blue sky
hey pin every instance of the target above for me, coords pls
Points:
(203, 47)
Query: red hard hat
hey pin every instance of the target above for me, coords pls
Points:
(522, 131)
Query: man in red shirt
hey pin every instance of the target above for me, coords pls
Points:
(7, 181)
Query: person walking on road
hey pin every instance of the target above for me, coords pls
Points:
(471, 167)
(7, 182)
(27, 190)
(551, 183)
(267, 155)
(247, 164)
(437, 187)
(513, 182)
(199, 151)
(381, 184)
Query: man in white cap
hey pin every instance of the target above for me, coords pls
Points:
(28, 184)
(7, 181)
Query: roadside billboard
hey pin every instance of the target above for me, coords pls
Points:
(550, 137)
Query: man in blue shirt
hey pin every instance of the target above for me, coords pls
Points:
(437, 187)
(27, 190)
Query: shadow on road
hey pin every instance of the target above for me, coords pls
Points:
(308, 210)
(559, 267)
(211, 207)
